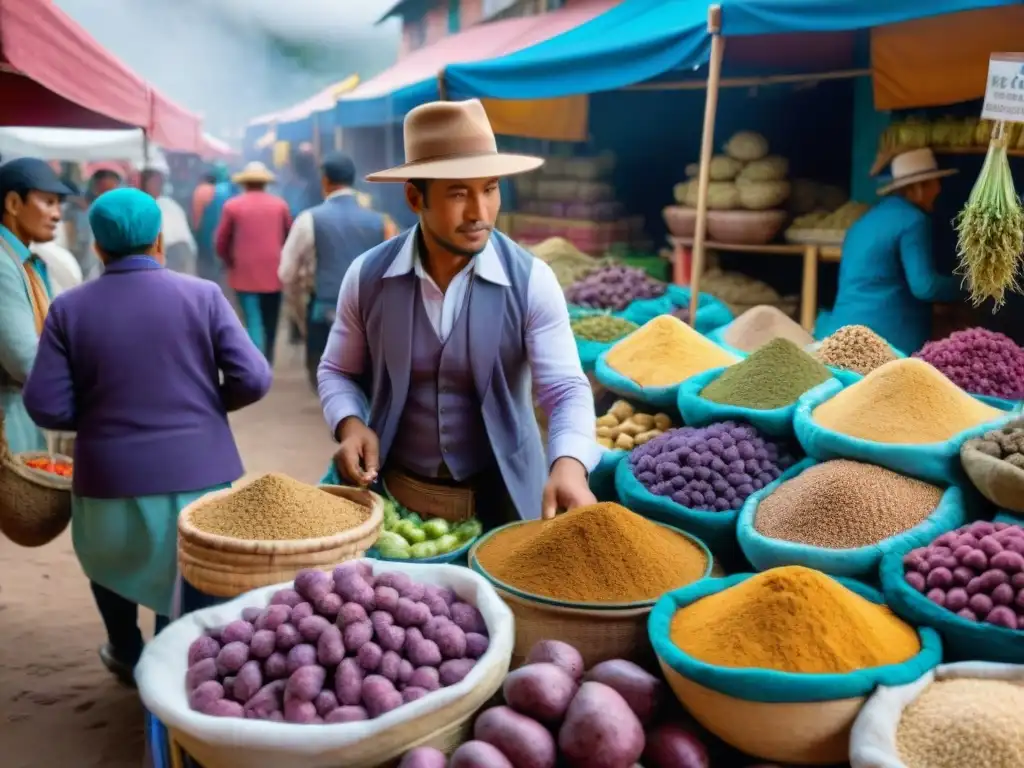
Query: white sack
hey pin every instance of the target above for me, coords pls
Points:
(240, 743)
(873, 736)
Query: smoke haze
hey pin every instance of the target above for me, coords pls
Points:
(232, 60)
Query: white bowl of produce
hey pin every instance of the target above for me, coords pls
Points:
(443, 715)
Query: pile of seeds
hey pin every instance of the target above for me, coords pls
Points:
(855, 348)
(772, 377)
(844, 504)
(759, 325)
(964, 722)
(904, 401)
(276, 507)
(602, 328)
(664, 352)
(1006, 444)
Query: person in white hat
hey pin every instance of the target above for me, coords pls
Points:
(887, 278)
(442, 335)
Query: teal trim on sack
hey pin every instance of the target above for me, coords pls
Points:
(935, 462)
(663, 398)
(860, 563)
(998, 402)
(770, 686)
(1008, 517)
(697, 411)
(589, 351)
(711, 312)
(716, 529)
(964, 640)
(602, 478)
(331, 476)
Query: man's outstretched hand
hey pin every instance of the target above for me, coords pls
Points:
(567, 488)
(358, 456)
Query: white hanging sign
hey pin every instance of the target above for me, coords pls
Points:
(1004, 92)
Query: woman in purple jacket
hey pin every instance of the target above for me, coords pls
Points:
(144, 364)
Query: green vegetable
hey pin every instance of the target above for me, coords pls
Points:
(424, 549)
(415, 519)
(391, 515)
(411, 532)
(990, 231)
(393, 552)
(447, 543)
(391, 539)
(435, 528)
(468, 530)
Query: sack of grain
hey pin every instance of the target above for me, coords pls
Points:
(602, 479)
(860, 562)
(936, 462)
(875, 736)
(235, 743)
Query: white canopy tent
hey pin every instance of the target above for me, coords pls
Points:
(80, 146)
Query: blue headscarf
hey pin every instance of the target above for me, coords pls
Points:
(125, 221)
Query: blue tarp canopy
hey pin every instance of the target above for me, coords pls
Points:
(641, 41)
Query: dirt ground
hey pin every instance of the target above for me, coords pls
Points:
(58, 706)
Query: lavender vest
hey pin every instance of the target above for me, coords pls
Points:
(442, 422)
(493, 358)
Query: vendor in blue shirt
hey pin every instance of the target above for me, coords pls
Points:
(887, 280)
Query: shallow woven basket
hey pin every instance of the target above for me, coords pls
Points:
(445, 730)
(600, 631)
(804, 733)
(35, 506)
(222, 566)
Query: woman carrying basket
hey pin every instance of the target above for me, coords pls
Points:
(144, 364)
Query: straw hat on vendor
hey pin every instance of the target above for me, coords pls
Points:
(136, 380)
(888, 280)
(457, 315)
(254, 173)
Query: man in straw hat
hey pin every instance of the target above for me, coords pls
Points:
(887, 280)
(249, 238)
(427, 372)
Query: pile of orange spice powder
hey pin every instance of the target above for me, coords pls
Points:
(598, 554)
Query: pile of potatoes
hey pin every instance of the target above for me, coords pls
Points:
(557, 713)
(624, 428)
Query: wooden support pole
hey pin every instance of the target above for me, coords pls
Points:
(707, 147)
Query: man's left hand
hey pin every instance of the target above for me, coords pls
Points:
(567, 488)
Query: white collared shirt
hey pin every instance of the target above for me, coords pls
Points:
(559, 383)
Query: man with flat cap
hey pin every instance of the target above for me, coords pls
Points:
(32, 194)
(444, 334)
(322, 244)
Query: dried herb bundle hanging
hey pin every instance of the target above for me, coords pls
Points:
(990, 230)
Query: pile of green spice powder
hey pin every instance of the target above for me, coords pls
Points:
(602, 328)
(772, 377)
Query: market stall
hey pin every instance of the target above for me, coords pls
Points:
(56, 75)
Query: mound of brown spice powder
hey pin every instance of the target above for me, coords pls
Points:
(598, 554)
(276, 507)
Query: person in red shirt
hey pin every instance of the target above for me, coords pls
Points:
(249, 239)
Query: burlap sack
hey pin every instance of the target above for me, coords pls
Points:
(999, 482)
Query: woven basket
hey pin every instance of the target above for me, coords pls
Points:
(35, 506)
(445, 730)
(804, 733)
(600, 631)
(997, 480)
(222, 566)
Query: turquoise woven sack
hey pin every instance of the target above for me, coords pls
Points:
(602, 479)
(662, 398)
(937, 463)
(768, 685)
(860, 563)
(716, 529)
(697, 411)
(1001, 403)
(964, 640)
(589, 351)
(711, 312)
(331, 476)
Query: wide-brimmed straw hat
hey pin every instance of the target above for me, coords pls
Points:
(914, 166)
(453, 140)
(254, 173)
